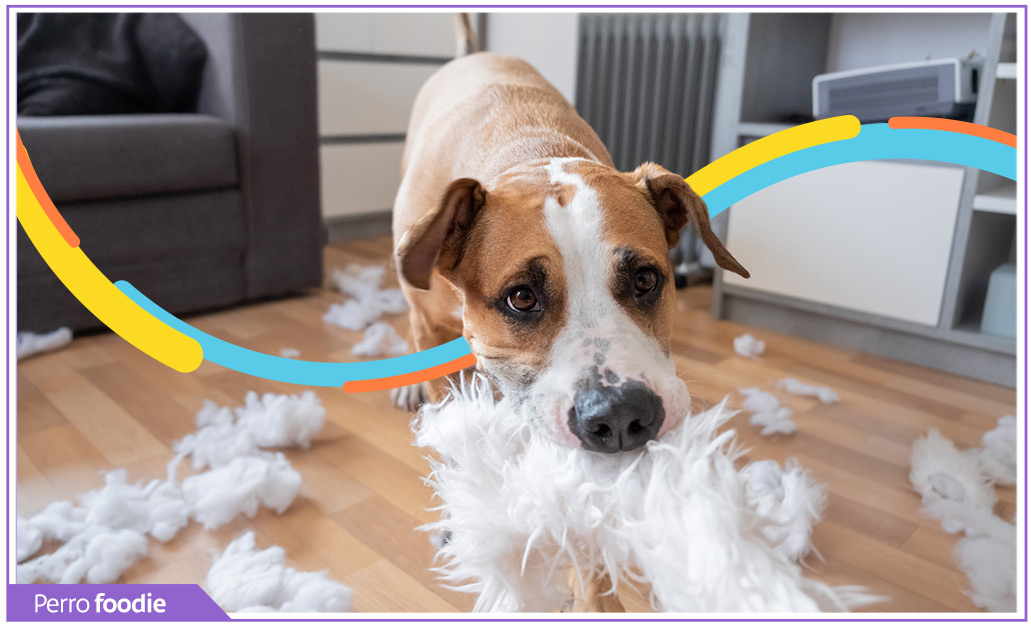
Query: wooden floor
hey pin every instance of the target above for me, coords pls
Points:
(101, 404)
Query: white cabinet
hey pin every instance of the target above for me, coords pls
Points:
(872, 237)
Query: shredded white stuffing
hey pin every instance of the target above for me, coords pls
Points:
(789, 502)
(290, 353)
(749, 346)
(795, 387)
(380, 339)
(519, 510)
(369, 302)
(999, 452)
(31, 343)
(940, 471)
(217, 496)
(245, 579)
(105, 532)
(767, 412)
(956, 488)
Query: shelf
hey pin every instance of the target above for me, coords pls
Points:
(761, 129)
(1006, 71)
(1001, 200)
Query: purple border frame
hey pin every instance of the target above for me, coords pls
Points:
(398, 617)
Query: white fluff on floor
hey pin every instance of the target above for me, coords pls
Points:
(369, 302)
(217, 496)
(245, 579)
(789, 502)
(520, 510)
(956, 488)
(767, 412)
(106, 530)
(940, 471)
(31, 343)
(999, 452)
(795, 387)
(987, 554)
(225, 434)
(380, 339)
(749, 346)
(289, 353)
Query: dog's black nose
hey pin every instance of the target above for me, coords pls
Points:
(615, 418)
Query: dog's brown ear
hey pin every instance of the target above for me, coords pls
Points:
(678, 204)
(438, 237)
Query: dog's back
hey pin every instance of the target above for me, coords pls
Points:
(478, 116)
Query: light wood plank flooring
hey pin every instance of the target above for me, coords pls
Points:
(101, 404)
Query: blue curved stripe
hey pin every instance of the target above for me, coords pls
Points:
(875, 141)
(299, 371)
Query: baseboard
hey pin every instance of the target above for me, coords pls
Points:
(357, 226)
(977, 362)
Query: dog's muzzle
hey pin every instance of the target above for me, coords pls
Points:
(609, 419)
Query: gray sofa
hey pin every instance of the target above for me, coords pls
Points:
(198, 211)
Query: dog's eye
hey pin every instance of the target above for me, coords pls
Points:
(645, 281)
(522, 299)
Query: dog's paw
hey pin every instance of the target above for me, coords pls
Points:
(410, 397)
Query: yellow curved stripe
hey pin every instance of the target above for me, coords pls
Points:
(771, 147)
(98, 294)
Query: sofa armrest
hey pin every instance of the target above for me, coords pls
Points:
(261, 76)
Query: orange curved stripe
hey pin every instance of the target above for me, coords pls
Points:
(955, 126)
(415, 377)
(41, 195)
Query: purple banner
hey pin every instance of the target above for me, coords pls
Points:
(110, 602)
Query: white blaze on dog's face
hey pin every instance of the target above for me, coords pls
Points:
(568, 293)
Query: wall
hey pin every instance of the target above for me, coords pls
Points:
(548, 41)
(860, 40)
(371, 66)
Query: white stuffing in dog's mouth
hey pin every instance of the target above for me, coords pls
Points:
(519, 510)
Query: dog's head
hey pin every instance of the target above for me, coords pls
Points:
(568, 292)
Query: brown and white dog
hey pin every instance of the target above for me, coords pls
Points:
(513, 228)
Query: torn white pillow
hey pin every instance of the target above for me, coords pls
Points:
(520, 510)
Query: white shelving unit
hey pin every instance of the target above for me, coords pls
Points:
(764, 86)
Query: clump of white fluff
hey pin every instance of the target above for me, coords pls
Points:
(824, 393)
(956, 488)
(380, 339)
(748, 346)
(245, 579)
(788, 501)
(767, 412)
(369, 301)
(940, 471)
(217, 496)
(271, 420)
(999, 452)
(521, 510)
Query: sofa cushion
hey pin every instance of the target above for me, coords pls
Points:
(81, 158)
(184, 251)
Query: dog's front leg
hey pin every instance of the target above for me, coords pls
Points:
(595, 596)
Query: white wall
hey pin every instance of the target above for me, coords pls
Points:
(371, 97)
(548, 41)
(859, 40)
